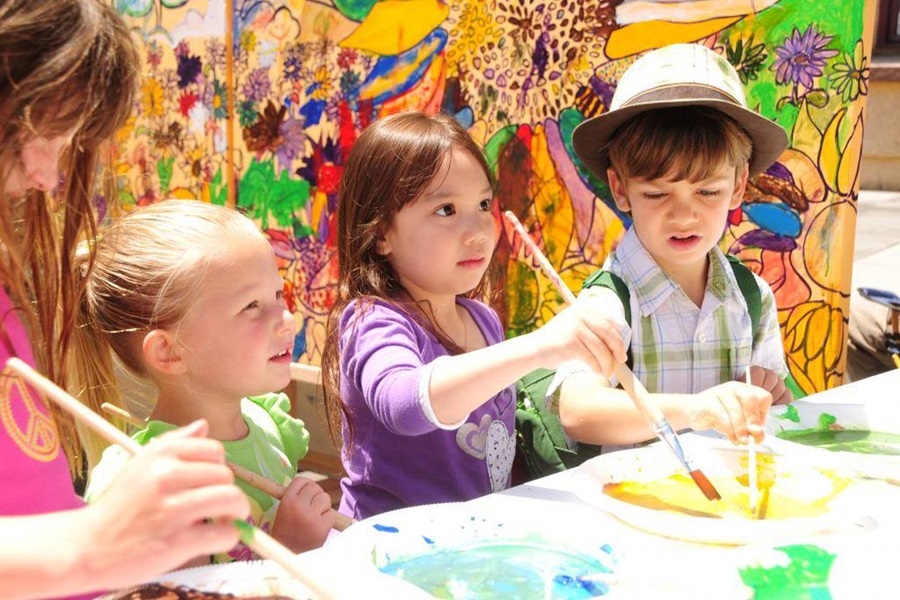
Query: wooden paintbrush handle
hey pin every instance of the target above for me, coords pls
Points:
(639, 394)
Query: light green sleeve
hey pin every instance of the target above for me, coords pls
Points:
(102, 475)
(293, 432)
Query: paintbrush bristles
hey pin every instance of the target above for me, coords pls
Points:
(705, 485)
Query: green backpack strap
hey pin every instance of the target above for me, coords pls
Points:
(749, 288)
(613, 282)
(540, 437)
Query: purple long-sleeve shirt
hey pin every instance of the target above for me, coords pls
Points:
(400, 455)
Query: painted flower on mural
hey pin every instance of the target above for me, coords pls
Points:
(293, 141)
(219, 102)
(186, 102)
(152, 104)
(850, 74)
(746, 58)
(801, 58)
(189, 66)
(257, 86)
(346, 57)
(215, 53)
(293, 66)
(247, 114)
(154, 55)
(321, 87)
(265, 134)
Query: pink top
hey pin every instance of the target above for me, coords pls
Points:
(34, 473)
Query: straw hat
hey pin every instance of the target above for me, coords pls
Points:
(678, 75)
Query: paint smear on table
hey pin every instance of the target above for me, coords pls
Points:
(846, 440)
(505, 570)
(798, 571)
(784, 493)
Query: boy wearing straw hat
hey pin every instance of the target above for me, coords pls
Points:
(677, 147)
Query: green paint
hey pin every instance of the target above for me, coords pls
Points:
(497, 143)
(826, 421)
(503, 570)
(846, 440)
(164, 167)
(790, 414)
(805, 577)
(354, 9)
(264, 195)
(246, 530)
(218, 192)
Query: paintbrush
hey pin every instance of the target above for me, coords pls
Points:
(751, 465)
(259, 541)
(267, 486)
(635, 389)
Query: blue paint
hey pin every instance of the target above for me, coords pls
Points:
(777, 217)
(385, 528)
(413, 63)
(519, 570)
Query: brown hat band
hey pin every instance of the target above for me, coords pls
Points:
(683, 92)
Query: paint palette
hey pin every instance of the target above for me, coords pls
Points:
(863, 438)
(647, 489)
(450, 551)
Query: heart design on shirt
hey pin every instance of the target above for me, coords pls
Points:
(472, 438)
(500, 451)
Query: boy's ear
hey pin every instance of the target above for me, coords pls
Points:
(740, 186)
(617, 187)
(162, 354)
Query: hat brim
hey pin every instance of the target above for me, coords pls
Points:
(590, 138)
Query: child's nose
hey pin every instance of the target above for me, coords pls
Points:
(44, 178)
(683, 211)
(477, 230)
(287, 323)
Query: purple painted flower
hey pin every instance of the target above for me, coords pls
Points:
(802, 57)
(257, 86)
(189, 67)
(294, 141)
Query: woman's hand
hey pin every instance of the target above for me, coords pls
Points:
(172, 502)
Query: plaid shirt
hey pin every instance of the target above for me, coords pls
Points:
(678, 347)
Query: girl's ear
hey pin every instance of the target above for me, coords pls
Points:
(617, 187)
(382, 247)
(162, 353)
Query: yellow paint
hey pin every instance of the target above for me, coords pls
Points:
(784, 493)
(425, 95)
(394, 26)
(648, 35)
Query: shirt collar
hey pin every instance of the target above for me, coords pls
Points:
(652, 287)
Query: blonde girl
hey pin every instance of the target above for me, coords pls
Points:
(187, 295)
(417, 373)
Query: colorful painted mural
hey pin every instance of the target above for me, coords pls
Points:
(257, 102)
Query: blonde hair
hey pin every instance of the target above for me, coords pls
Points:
(65, 65)
(679, 143)
(147, 266)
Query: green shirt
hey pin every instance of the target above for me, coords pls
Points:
(275, 443)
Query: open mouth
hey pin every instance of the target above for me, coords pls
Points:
(286, 353)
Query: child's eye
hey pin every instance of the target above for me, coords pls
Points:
(279, 295)
(653, 195)
(710, 193)
(487, 204)
(446, 210)
(252, 305)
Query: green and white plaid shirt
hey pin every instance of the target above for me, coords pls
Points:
(678, 347)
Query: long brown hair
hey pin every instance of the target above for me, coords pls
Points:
(65, 65)
(391, 165)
